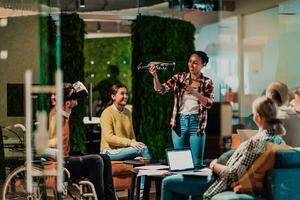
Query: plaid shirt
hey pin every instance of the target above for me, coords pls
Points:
(176, 85)
(241, 160)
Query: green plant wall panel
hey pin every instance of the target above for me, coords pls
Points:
(157, 39)
(72, 63)
(100, 53)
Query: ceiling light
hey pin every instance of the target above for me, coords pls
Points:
(81, 4)
(3, 22)
(3, 54)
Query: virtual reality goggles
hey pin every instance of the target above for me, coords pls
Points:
(79, 92)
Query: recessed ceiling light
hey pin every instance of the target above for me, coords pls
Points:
(3, 22)
(3, 54)
(81, 4)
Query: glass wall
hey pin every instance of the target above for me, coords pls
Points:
(251, 49)
(24, 45)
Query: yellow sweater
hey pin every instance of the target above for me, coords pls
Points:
(116, 128)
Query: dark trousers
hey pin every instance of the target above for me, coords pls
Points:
(97, 168)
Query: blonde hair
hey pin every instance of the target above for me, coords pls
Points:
(266, 108)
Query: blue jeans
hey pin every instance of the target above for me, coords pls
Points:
(128, 153)
(185, 135)
(181, 187)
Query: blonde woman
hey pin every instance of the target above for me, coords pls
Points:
(270, 130)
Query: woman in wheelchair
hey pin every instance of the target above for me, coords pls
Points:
(97, 168)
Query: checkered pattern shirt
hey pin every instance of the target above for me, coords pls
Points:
(241, 160)
(176, 85)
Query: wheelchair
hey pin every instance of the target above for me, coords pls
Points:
(15, 188)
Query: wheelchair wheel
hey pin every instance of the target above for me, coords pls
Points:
(15, 185)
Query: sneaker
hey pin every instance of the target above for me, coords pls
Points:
(142, 160)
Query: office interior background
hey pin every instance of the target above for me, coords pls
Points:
(250, 44)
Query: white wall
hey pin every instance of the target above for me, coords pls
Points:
(271, 44)
(289, 58)
(203, 43)
(20, 39)
(261, 38)
(219, 41)
(274, 56)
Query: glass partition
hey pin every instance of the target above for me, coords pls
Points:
(250, 44)
(24, 45)
(250, 49)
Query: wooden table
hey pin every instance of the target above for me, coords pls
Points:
(148, 179)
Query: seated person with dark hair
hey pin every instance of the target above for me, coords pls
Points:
(118, 138)
(95, 167)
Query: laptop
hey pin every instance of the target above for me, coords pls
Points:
(245, 134)
(180, 161)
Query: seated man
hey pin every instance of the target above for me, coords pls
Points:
(95, 167)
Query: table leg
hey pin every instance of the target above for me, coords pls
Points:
(147, 186)
(158, 181)
(132, 186)
(138, 187)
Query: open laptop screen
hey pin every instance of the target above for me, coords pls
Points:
(180, 159)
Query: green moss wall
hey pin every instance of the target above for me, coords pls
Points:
(157, 39)
(100, 52)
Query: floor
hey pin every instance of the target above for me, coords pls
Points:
(122, 195)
